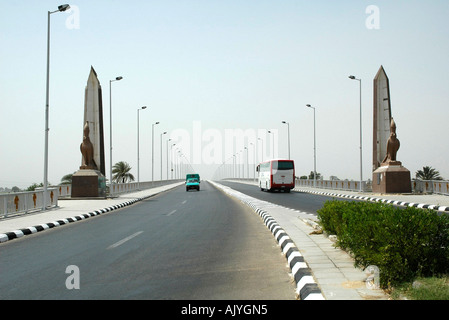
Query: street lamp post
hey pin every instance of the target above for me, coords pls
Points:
(171, 159)
(269, 131)
(110, 133)
(262, 147)
(241, 164)
(247, 163)
(61, 8)
(178, 159)
(168, 140)
(152, 152)
(233, 166)
(161, 151)
(138, 145)
(288, 131)
(175, 163)
(314, 145)
(360, 97)
(237, 172)
(254, 159)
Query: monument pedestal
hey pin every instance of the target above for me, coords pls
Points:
(392, 177)
(88, 183)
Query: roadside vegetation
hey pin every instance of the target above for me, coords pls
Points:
(410, 246)
(430, 288)
(121, 172)
(428, 173)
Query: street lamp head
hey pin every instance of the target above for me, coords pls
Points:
(119, 78)
(144, 107)
(308, 105)
(352, 77)
(284, 122)
(157, 122)
(63, 7)
(165, 132)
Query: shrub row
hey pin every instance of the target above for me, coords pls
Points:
(402, 242)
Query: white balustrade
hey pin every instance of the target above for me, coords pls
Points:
(26, 202)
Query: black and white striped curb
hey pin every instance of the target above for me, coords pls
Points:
(374, 199)
(31, 230)
(306, 286)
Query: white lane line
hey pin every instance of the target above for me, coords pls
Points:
(184, 201)
(124, 240)
(169, 214)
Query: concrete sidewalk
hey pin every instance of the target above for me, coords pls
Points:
(320, 262)
(332, 268)
(70, 211)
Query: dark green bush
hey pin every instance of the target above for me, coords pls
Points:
(403, 242)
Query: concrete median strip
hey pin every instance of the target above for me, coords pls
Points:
(306, 286)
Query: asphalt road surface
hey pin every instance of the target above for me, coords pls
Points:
(176, 245)
(304, 202)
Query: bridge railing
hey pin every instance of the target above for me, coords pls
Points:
(64, 190)
(32, 201)
(324, 184)
(119, 188)
(418, 186)
(26, 202)
(334, 184)
(431, 186)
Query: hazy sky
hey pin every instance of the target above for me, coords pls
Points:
(212, 68)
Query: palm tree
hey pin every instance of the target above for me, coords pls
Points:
(121, 173)
(67, 179)
(34, 186)
(428, 173)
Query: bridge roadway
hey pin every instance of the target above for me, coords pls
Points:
(178, 245)
(175, 245)
(304, 202)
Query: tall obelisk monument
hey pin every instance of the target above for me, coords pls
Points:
(381, 117)
(389, 176)
(93, 114)
(89, 180)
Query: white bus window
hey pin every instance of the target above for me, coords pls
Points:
(283, 165)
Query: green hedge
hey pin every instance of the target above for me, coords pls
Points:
(402, 242)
